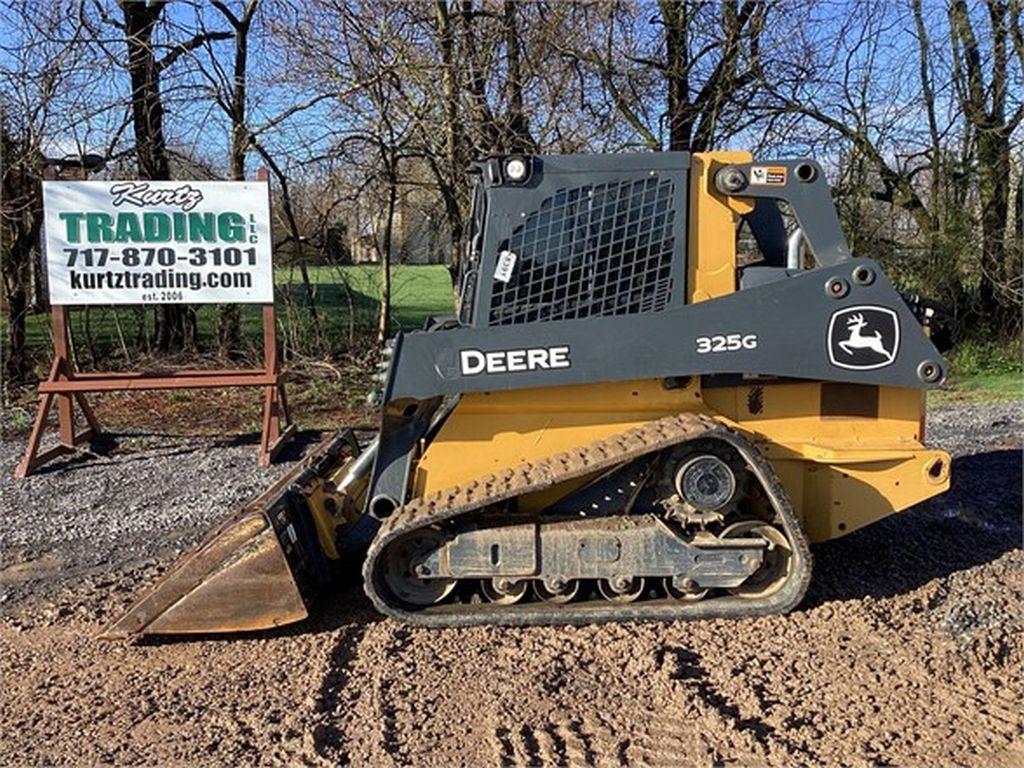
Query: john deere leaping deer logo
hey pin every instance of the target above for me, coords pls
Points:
(863, 338)
(859, 340)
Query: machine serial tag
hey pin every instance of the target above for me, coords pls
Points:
(506, 265)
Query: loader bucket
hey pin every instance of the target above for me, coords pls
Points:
(259, 569)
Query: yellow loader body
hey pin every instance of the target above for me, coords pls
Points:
(597, 498)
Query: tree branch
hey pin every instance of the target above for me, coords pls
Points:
(190, 45)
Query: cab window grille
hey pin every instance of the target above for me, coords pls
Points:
(595, 250)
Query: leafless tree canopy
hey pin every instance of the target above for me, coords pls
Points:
(367, 114)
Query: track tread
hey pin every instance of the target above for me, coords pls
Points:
(445, 505)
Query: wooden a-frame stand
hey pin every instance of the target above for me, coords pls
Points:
(68, 387)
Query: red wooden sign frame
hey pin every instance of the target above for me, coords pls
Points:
(67, 387)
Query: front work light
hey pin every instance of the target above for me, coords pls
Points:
(517, 169)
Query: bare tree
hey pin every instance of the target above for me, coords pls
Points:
(229, 87)
(697, 108)
(986, 108)
(22, 218)
(901, 94)
(175, 325)
(233, 101)
(450, 171)
(47, 84)
(375, 49)
(702, 63)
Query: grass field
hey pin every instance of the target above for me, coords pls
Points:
(982, 370)
(342, 295)
(417, 291)
(981, 388)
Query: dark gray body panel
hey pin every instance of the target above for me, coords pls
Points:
(811, 203)
(790, 318)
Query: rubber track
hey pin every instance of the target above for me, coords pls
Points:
(444, 506)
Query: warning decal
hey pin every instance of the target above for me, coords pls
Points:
(769, 175)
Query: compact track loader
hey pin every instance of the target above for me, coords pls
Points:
(627, 420)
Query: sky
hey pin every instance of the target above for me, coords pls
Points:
(198, 127)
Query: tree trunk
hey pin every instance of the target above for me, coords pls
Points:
(519, 138)
(680, 118)
(384, 317)
(16, 364)
(482, 122)
(229, 317)
(175, 325)
(147, 104)
(984, 109)
(451, 179)
(20, 222)
(994, 197)
(39, 301)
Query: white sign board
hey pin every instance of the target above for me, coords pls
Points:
(158, 242)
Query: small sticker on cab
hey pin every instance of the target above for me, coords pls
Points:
(506, 265)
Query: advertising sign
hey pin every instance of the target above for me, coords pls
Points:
(158, 242)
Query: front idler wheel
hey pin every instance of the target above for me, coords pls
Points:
(778, 559)
(408, 577)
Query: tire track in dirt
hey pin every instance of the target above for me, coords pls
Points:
(363, 707)
(328, 740)
(700, 716)
(572, 742)
(387, 701)
(667, 740)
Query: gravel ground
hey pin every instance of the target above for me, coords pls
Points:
(908, 649)
(141, 502)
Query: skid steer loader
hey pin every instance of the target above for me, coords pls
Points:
(629, 419)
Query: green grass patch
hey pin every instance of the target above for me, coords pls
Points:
(983, 371)
(417, 292)
(981, 388)
(974, 357)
